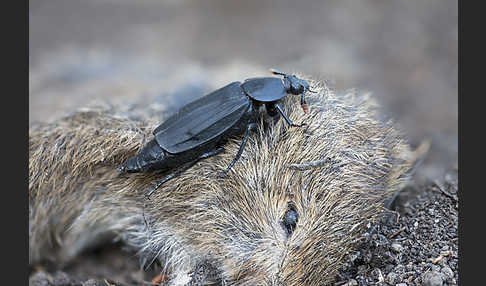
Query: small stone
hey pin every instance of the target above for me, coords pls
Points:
(391, 278)
(443, 262)
(62, 278)
(93, 282)
(415, 224)
(401, 284)
(354, 256)
(397, 247)
(389, 268)
(361, 268)
(435, 268)
(399, 268)
(39, 279)
(432, 278)
(352, 282)
(409, 267)
(378, 275)
(447, 271)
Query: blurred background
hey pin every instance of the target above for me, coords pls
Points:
(169, 52)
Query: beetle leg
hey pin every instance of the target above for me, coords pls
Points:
(171, 176)
(304, 105)
(184, 168)
(271, 110)
(242, 147)
(289, 122)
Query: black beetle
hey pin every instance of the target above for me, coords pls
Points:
(200, 129)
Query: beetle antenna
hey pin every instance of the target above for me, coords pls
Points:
(274, 71)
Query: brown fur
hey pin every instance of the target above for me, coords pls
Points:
(231, 225)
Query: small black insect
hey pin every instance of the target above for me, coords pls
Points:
(200, 129)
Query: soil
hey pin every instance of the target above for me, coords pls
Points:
(416, 245)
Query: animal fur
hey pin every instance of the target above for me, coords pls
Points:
(228, 230)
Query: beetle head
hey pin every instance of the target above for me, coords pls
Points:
(294, 85)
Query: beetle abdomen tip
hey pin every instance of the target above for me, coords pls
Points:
(129, 166)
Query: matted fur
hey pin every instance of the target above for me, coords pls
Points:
(77, 196)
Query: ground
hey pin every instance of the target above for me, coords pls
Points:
(417, 245)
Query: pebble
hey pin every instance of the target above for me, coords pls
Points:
(361, 268)
(432, 278)
(409, 267)
(93, 282)
(62, 278)
(389, 268)
(354, 256)
(391, 278)
(352, 282)
(399, 268)
(435, 268)
(397, 247)
(401, 284)
(447, 271)
(39, 279)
